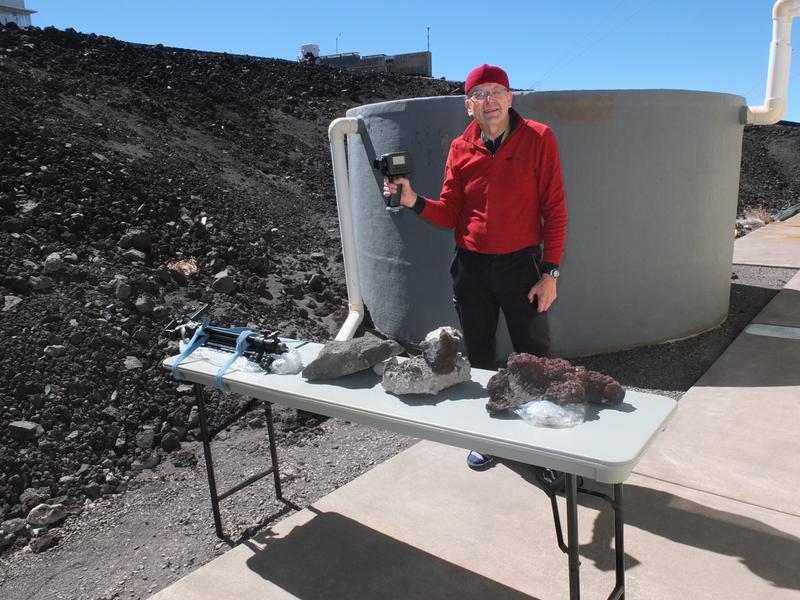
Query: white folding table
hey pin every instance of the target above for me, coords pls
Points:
(604, 448)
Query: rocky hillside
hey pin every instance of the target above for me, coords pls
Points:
(119, 161)
(137, 182)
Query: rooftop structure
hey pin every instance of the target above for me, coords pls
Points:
(14, 11)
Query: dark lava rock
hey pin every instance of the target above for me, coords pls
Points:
(44, 542)
(170, 441)
(337, 358)
(135, 238)
(25, 430)
(184, 458)
(442, 348)
(527, 377)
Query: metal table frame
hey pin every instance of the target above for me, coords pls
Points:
(402, 417)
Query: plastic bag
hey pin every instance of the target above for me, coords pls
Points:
(286, 363)
(544, 413)
(220, 357)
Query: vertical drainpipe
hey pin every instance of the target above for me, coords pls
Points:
(337, 131)
(780, 56)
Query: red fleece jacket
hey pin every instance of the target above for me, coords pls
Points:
(503, 203)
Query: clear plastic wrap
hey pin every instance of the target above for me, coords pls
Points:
(544, 413)
(284, 364)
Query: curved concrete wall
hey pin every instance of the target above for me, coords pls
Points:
(651, 177)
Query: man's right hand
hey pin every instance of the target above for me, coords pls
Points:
(408, 196)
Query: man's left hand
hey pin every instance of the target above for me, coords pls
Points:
(545, 291)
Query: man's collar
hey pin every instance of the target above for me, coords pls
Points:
(474, 134)
(513, 118)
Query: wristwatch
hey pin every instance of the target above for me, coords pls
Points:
(553, 272)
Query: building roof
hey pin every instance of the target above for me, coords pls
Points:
(15, 6)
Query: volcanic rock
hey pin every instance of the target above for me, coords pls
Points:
(131, 362)
(146, 439)
(10, 302)
(55, 350)
(45, 515)
(41, 283)
(223, 283)
(25, 430)
(135, 238)
(53, 263)
(529, 377)
(123, 290)
(339, 358)
(44, 542)
(20, 285)
(34, 496)
(144, 305)
(6, 540)
(149, 460)
(184, 458)
(441, 365)
(442, 349)
(12, 526)
(416, 376)
(170, 442)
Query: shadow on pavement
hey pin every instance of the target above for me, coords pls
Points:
(769, 553)
(332, 556)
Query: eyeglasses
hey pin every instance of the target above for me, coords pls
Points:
(482, 95)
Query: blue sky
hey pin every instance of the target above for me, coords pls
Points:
(583, 44)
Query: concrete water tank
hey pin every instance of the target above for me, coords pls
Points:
(651, 178)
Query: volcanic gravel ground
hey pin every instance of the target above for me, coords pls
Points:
(118, 160)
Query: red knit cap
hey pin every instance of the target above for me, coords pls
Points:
(486, 74)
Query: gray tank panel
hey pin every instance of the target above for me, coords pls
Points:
(651, 178)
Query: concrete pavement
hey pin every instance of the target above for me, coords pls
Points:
(711, 511)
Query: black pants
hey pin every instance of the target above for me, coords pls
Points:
(484, 284)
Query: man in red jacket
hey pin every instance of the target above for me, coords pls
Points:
(503, 194)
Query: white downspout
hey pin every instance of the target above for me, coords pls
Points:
(337, 131)
(780, 56)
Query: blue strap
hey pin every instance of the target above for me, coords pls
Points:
(197, 340)
(241, 346)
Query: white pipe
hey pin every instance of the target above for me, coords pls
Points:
(780, 57)
(337, 131)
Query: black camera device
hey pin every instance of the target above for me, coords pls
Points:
(394, 164)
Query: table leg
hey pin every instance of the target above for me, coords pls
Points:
(619, 544)
(212, 482)
(571, 483)
(273, 451)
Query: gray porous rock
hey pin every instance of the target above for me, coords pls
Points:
(442, 364)
(338, 358)
(45, 515)
(416, 376)
(527, 377)
(442, 348)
